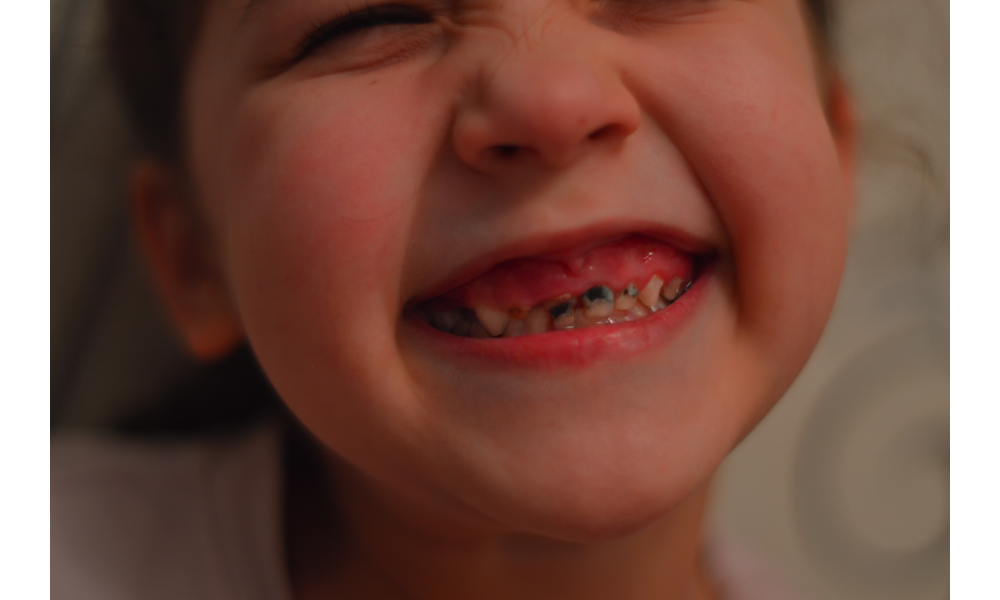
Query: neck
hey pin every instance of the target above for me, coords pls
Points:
(362, 542)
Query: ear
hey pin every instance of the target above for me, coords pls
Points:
(843, 125)
(185, 270)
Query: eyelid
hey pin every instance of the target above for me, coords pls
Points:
(361, 19)
(636, 16)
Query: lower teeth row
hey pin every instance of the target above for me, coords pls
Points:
(599, 305)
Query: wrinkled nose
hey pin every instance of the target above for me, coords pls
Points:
(545, 110)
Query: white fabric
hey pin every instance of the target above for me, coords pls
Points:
(739, 575)
(150, 521)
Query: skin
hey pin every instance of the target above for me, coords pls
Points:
(320, 196)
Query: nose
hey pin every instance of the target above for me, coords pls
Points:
(548, 110)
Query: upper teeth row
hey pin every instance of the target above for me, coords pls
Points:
(597, 306)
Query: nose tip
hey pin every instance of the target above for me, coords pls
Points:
(548, 110)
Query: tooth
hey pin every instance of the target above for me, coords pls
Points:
(537, 320)
(517, 312)
(651, 292)
(565, 321)
(672, 290)
(463, 328)
(660, 305)
(515, 327)
(626, 300)
(445, 320)
(599, 301)
(617, 317)
(493, 320)
(478, 331)
(637, 312)
(562, 314)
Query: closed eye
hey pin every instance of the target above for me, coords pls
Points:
(354, 22)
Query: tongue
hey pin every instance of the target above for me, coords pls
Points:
(526, 282)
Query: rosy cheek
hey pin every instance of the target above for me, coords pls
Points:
(323, 172)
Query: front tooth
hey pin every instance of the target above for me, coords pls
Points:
(651, 292)
(599, 301)
(672, 290)
(626, 300)
(515, 328)
(537, 320)
(493, 320)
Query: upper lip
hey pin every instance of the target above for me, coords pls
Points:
(556, 244)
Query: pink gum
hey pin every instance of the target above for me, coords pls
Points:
(526, 282)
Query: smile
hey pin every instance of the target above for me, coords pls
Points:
(618, 282)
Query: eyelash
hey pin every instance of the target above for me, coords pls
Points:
(366, 18)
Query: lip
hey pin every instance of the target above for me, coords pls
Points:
(560, 244)
(573, 349)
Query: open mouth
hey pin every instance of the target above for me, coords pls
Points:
(621, 281)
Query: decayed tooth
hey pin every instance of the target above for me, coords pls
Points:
(598, 301)
(493, 320)
(651, 292)
(672, 290)
(582, 319)
(537, 320)
(515, 327)
(626, 300)
(517, 312)
(562, 315)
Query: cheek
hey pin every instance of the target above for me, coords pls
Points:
(318, 204)
(330, 168)
(319, 200)
(746, 118)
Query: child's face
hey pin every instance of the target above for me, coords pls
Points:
(414, 153)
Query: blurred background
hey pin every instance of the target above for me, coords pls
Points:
(844, 487)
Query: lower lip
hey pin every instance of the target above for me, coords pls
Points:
(571, 348)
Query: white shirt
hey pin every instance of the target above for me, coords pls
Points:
(202, 520)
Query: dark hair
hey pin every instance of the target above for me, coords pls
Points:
(150, 43)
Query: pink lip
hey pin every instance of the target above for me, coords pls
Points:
(574, 348)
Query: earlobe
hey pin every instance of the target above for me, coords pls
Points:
(183, 266)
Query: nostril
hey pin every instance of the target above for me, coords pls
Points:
(604, 132)
(506, 150)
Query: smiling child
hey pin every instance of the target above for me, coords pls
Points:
(525, 270)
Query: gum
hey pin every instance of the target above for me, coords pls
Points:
(526, 282)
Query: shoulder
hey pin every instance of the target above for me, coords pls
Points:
(195, 519)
